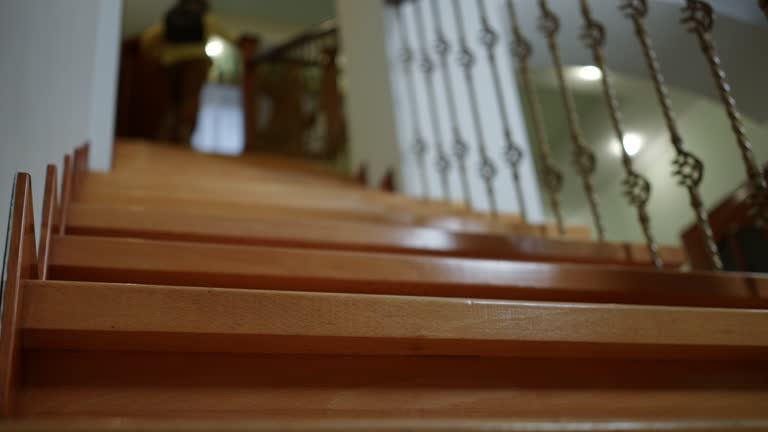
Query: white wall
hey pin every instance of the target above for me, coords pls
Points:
(377, 90)
(368, 88)
(707, 134)
(677, 50)
(104, 84)
(58, 74)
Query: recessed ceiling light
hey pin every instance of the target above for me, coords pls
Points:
(214, 48)
(632, 143)
(589, 73)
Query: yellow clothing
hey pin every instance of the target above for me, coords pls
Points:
(154, 45)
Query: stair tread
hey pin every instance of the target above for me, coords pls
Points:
(86, 315)
(215, 265)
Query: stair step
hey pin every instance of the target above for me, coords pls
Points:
(100, 259)
(292, 231)
(94, 316)
(285, 392)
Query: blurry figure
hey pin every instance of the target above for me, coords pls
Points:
(178, 43)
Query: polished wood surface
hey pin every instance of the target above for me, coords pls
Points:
(80, 258)
(378, 425)
(79, 170)
(46, 226)
(298, 300)
(220, 179)
(227, 198)
(357, 393)
(91, 316)
(66, 194)
(289, 230)
(20, 266)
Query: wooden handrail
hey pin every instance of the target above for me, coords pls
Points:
(290, 126)
(280, 51)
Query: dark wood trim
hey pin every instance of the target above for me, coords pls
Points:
(21, 265)
(46, 226)
(280, 51)
(66, 194)
(726, 218)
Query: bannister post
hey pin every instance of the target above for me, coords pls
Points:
(467, 61)
(512, 151)
(249, 46)
(688, 168)
(583, 157)
(553, 178)
(699, 17)
(428, 68)
(637, 189)
(419, 144)
(330, 103)
(459, 145)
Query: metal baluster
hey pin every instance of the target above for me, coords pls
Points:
(699, 17)
(419, 146)
(637, 189)
(428, 68)
(467, 61)
(688, 167)
(553, 177)
(459, 145)
(583, 158)
(512, 152)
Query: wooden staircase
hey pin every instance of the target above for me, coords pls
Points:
(192, 292)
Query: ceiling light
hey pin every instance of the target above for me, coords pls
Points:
(589, 73)
(632, 143)
(214, 48)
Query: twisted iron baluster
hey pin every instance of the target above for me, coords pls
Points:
(428, 68)
(467, 60)
(459, 145)
(698, 16)
(637, 189)
(419, 146)
(688, 168)
(583, 158)
(512, 151)
(553, 178)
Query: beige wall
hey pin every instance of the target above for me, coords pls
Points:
(367, 86)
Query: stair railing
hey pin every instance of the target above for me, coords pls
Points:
(299, 81)
(697, 16)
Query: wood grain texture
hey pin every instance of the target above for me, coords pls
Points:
(21, 265)
(228, 207)
(359, 389)
(141, 174)
(46, 225)
(97, 259)
(378, 425)
(289, 230)
(72, 315)
(66, 194)
(79, 171)
(143, 221)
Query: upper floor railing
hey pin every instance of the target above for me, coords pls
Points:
(292, 102)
